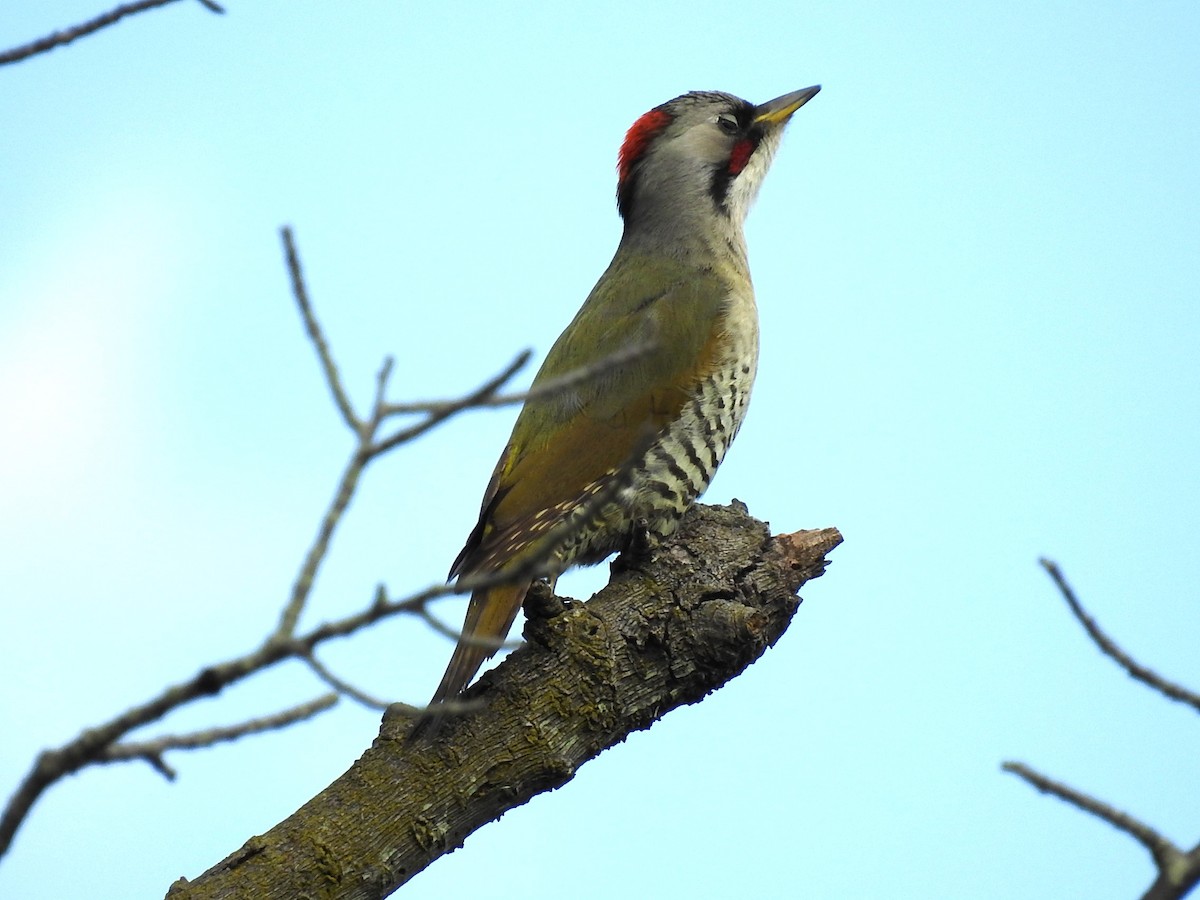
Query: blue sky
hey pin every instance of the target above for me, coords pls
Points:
(976, 258)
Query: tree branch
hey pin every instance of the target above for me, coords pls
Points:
(300, 292)
(665, 632)
(91, 745)
(343, 687)
(1176, 880)
(439, 411)
(62, 38)
(153, 751)
(366, 449)
(95, 745)
(1178, 871)
(548, 388)
(99, 744)
(1158, 846)
(1109, 647)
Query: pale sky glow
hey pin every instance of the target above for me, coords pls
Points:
(977, 259)
(73, 404)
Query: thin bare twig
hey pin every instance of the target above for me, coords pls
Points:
(548, 388)
(440, 412)
(458, 635)
(153, 750)
(1178, 871)
(99, 744)
(91, 745)
(305, 578)
(62, 38)
(381, 382)
(344, 687)
(364, 430)
(1160, 848)
(382, 608)
(332, 378)
(1109, 647)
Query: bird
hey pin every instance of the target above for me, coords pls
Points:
(623, 450)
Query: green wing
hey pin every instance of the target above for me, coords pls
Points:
(570, 440)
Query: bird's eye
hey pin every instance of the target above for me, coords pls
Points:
(728, 124)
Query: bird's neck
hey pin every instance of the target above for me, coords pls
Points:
(696, 233)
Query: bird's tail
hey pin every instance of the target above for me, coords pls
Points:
(490, 615)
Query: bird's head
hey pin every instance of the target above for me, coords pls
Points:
(704, 151)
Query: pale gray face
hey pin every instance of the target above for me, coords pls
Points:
(703, 147)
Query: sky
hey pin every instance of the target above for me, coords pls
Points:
(976, 259)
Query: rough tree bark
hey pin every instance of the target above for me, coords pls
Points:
(666, 632)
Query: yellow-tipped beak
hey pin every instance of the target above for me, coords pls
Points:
(779, 110)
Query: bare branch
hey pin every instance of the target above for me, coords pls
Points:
(363, 432)
(1110, 648)
(382, 608)
(444, 411)
(1176, 880)
(62, 38)
(161, 766)
(381, 382)
(665, 633)
(457, 634)
(302, 586)
(208, 737)
(1160, 848)
(90, 746)
(343, 687)
(100, 743)
(332, 378)
(1178, 872)
(437, 411)
(548, 388)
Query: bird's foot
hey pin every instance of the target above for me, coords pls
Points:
(542, 603)
(639, 548)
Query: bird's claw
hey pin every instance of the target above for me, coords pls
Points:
(542, 603)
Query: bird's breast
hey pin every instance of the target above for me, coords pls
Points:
(681, 464)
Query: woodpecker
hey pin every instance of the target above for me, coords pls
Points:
(679, 284)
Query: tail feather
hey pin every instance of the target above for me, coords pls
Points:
(490, 614)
